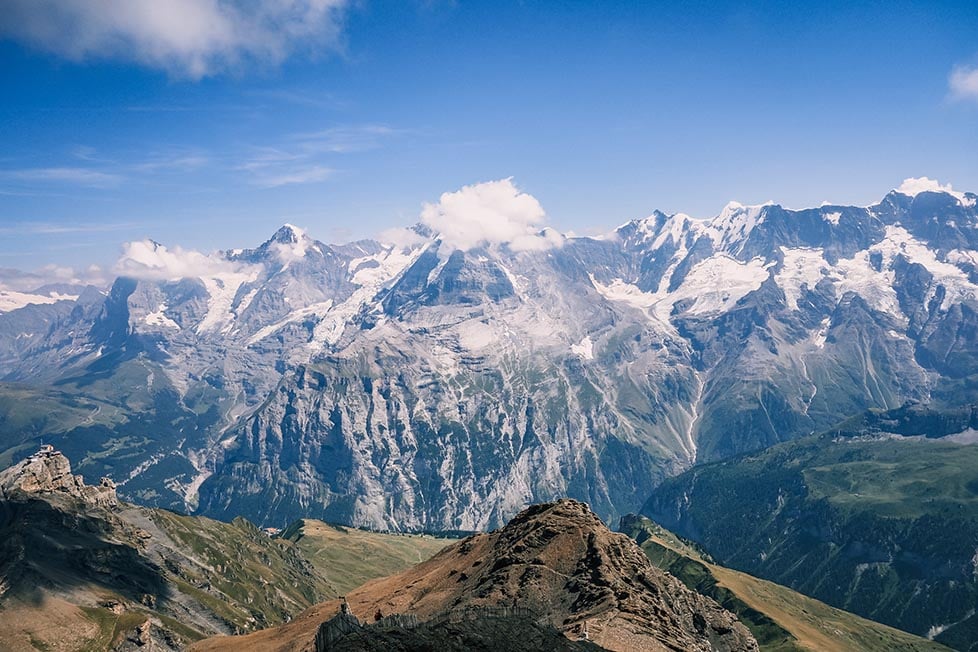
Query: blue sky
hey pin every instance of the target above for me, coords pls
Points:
(128, 119)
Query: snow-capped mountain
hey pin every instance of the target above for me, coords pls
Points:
(424, 385)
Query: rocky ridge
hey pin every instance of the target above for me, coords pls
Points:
(556, 560)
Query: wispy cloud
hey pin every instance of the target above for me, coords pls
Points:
(187, 38)
(300, 98)
(79, 176)
(344, 139)
(57, 228)
(314, 174)
(305, 157)
(963, 83)
(174, 162)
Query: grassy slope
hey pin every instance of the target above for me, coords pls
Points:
(239, 572)
(349, 557)
(808, 623)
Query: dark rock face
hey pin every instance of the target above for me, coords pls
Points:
(479, 632)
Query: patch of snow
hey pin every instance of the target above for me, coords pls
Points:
(714, 285)
(160, 319)
(832, 218)
(819, 336)
(857, 275)
(12, 300)
(623, 292)
(584, 349)
(390, 264)
(719, 282)
(734, 223)
(475, 335)
(222, 289)
(803, 267)
(245, 302)
(962, 258)
(320, 308)
(675, 227)
(899, 241)
(518, 283)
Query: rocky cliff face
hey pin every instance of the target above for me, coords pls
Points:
(556, 561)
(427, 387)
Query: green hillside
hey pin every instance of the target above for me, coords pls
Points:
(781, 620)
(348, 557)
(880, 524)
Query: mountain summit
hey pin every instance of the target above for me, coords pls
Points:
(556, 561)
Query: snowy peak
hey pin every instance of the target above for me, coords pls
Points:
(291, 244)
(289, 234)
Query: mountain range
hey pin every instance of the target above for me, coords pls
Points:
(421, 386)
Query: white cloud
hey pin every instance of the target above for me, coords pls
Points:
(187, 38)
(914, 186)
(963, 83)
(18, 281)
(145, 259)
(490, 213)
(401, 237)
(295, 247)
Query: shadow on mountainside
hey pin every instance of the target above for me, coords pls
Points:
(51, 544)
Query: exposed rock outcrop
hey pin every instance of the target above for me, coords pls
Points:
(49, 471)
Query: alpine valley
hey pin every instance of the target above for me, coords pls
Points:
(420, 386)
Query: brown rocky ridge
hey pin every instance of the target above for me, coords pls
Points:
(556, 561)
